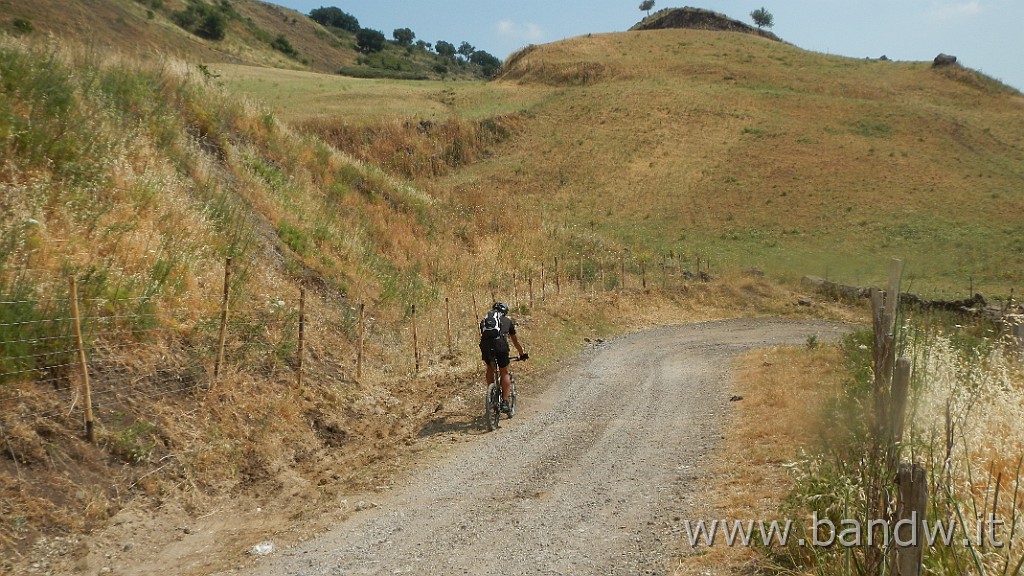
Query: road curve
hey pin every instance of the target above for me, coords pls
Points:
(592, 476)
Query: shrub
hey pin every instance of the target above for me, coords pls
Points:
(295, 238)
(23, 26)
(281, 44)
(202, 20)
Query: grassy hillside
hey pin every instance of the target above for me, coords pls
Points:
(248, 31)
(147, 28)
(139, 176)
(754, 153)
(761, 154)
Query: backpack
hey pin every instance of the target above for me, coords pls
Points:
(490, 326)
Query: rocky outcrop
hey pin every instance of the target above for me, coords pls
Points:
(698, 19)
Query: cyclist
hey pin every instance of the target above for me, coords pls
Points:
(497, 347)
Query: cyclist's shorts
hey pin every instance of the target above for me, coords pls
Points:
(495, 348)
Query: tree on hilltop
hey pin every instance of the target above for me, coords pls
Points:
(446, 49)
(763, 18)
(335, 17)
(647, 5)
(403, 36)
(466, 50)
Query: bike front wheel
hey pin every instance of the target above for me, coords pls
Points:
(512, 396)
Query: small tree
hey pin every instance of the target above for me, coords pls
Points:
(369, 41)
(446, 49)
(466, 50)
(403, 36)
(488, 63)
(335, 17)
(763, 18)
(646, 5)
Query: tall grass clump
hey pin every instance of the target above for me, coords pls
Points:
(968, 434)
(963, 427)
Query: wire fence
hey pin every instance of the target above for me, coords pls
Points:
(62, 358)
(68, 359)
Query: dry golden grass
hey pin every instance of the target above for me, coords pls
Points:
(760, 154)
(983, 390)
(741, 152)
(784, 390)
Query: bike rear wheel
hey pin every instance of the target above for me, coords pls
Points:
(492, 405)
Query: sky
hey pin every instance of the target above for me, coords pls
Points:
(985, 35)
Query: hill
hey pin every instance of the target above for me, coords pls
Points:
(248, 32)
(594, 185)
(204, 235)
(765, 155)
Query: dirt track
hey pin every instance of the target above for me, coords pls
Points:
(592, 476)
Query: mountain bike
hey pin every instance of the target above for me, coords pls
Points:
(492, 399)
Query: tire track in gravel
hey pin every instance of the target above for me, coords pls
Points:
(593, 476)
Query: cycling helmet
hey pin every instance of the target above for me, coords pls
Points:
(500, 307)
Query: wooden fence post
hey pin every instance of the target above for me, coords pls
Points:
(362, 336)
(302, 333)
(558, 283)
(580, 256)
(515, 289)
(884, 306)
(415, 340)
(898, 410)
(643, 273)
(448, 320)
(909, 532)
(531, 290)
(542, 279)
(622, 272)
(90, 433)
(223, 323)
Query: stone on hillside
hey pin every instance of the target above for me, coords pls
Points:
(944, 60)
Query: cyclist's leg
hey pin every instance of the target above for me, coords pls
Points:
(486, 355)
(501, 352)
(506, 383)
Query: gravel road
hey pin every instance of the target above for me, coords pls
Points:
(593, 476)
